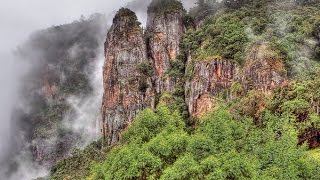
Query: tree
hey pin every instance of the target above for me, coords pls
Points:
(234, 4)
(204, 9)
(302, 2)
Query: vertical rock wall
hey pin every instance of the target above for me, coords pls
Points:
(262, 71)
(164, 31)
(127, 90)
(209, 78)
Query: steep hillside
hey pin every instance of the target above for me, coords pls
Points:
(227, 94)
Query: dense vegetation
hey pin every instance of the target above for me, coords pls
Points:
(163, 6)
(157, 146)
(79, 164)
(254, 136)
(125, 12)
(230, 33)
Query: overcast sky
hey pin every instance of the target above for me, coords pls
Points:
(20, 17)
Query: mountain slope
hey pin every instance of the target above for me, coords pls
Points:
(238, 99)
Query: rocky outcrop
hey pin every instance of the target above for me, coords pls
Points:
(164, 31)
(127, 90)
(208, 80)
(263, 70)
(136, 64)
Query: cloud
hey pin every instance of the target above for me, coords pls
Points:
(18, 20)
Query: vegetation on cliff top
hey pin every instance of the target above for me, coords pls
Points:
(127, 13)
(230, 34)
(165, 6)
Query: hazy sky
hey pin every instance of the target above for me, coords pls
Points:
(20, 17)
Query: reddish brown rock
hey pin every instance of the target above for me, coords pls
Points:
(208, 80)
(126, 90)
(164, 31)
(263, 70)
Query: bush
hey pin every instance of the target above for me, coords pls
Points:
(165, 6)
(157, 146)
(146, 68)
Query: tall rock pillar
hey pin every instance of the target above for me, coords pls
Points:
(127, 88)
(164, 32)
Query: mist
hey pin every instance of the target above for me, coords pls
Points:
(18, 23)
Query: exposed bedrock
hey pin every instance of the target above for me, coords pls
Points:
(127, 90)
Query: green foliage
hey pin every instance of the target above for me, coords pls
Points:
(157, 146)
(289, 31)
(204, 9)
(165, 6)
(175, 100)
(176, 73)
(300, 102)
(250, 105)
(146, 71)
(148, 124)
(168, 145)
(78, 166)
(291, 35)
(146, 68)
(125, 12)
(177, 67)
(153, 140)
(184, 168)
(223, 35)
(128, 162)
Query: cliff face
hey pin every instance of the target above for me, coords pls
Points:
(208, 80)
(164, 32)
(127, 90)
(136, 64)
(262, 71)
